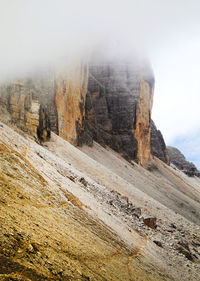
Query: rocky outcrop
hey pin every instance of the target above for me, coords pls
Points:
(50, 101)
(26, 101)
(178, 159)
(118, 108)
(71, 88)
(158, 147)
(106, 101)
(110, 103)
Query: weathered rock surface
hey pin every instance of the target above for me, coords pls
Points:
(118, 107)
(30, 103)
(106, 101)
(50, 101)
(71, 88)
(48, 233)
(150, 222)
(116, 110)
(158, 147)
(178, 159)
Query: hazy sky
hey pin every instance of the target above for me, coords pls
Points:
(37, 32)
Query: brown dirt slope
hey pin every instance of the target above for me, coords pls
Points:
(47, 233)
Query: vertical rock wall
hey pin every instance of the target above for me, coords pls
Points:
(118, 108)
(28, 101)
(50, 101)
(158, 147)
(143, 119)
(71, 88)
(108, 101)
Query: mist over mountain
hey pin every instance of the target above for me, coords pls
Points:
(36, 34)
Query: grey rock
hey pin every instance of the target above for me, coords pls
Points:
(111, 104)
(178, 159)
(158, 146)
(158, 243)
(186, 253)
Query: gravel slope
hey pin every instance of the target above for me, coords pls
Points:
(68, 214)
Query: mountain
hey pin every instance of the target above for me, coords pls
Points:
(178, 159)
(89, 190)
(106, 101)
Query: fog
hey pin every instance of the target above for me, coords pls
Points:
(38, 33)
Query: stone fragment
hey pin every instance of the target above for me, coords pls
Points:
(172, 226)
(185, 252)
(30, 248)
(83, 181)
(150, 222)
(136, 212)
(158, 243)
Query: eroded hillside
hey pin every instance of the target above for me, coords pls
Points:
(68, 216)
(87, 188)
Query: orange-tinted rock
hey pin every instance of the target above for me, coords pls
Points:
(109, 102)
(71, 88)
(50, 101)
(142, 129)
(23, 107)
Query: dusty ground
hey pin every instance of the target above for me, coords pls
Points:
(68, 214)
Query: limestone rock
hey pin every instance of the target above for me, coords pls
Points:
(178, 159)
(30, 102)
(158, 147)
(150, 222)
(71, 88)
(118, 107)
(49, 101)
(104, 100)
(158, 243)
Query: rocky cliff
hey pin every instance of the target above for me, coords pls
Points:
(45, 102)
(118, 107)
(158, 146)
(86, 213)
(178, 159)
(106, 101)
(30, 102)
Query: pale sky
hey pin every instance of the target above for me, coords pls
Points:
(37, 32)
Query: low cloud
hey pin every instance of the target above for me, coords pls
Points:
(35, 32)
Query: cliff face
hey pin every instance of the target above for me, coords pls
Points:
(30, 103)
(158, 147)
(143, 119)
(109, 102)
(46, 102)
(178, 159)
(71, 88)
(118, 108)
